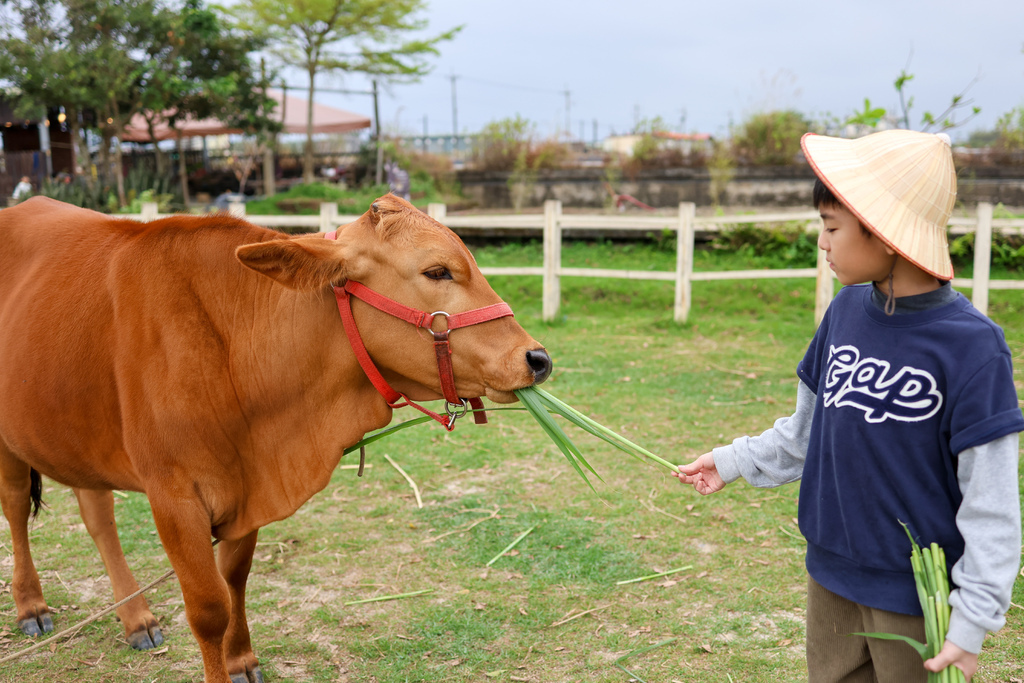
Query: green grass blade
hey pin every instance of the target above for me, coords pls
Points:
(921, 648)
(511, 545)
(387, 431)
(384, 598)
(640, 651)
(654, 576)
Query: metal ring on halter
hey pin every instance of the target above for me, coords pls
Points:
(456, 410)
(446, 316)
(454, 415)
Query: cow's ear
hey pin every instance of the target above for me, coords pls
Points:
(304, 263)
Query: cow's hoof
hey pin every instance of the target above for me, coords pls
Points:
(36, 626)
(146, 640)
(254, 676)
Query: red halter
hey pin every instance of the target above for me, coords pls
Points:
(455, 407)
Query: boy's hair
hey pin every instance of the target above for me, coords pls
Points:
(823, 196)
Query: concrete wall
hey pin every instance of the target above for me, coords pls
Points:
(771, 186)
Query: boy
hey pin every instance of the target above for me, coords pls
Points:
(906, 411)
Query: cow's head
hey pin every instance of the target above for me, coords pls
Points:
(398, 251)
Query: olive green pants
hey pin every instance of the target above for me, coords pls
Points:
(834, 656)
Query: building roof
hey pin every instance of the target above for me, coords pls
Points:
(325, 120)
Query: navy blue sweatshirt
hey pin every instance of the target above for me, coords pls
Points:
(898, 397)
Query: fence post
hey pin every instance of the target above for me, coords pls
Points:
(552, 258)
(824, 288)
(236, 208)
(684, 260)
(437, 211)
(150, 210)
(982, 258)
(328, 216)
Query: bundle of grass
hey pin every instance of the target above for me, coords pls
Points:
(930, 577)
(543, 406)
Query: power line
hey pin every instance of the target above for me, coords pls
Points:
(512, 86)
(330, 90)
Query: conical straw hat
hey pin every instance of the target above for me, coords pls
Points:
(900, 184)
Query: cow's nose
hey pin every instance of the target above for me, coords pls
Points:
(540, 363)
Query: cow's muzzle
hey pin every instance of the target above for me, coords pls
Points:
(540, 362)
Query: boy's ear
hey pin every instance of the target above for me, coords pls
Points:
(304, 263)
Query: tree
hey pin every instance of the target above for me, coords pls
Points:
(342, 35)
(112, 59)
(35, 48)
(872, 116)
(207, 73)
(947, 119)
(87, 55)
(126, 43)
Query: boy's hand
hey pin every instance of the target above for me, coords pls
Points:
(951, 655)
(701, 474)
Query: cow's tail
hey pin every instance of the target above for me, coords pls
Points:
(36, 492)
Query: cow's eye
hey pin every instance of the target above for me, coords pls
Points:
(438, 273)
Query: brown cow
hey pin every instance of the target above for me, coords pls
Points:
(203, 361)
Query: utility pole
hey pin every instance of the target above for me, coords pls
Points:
(455, 109)
(455, 122)
(568, 104)
(378, 176)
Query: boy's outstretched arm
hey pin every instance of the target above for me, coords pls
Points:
(702, 475)
(773, 458)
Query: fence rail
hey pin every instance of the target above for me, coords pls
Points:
(552, 222)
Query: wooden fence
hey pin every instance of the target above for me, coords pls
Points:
(684, 223)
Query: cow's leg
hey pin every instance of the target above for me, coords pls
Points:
(140, 626)
(184, 528)
(16, 499)
(234, 558)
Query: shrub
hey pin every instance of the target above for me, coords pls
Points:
(721, 169)
(655, 150)
(787, 245)
(502, 142)
(306, 198)
(1010, 131)
(548, 154)
(770, 138)
(1007, 251)
(78, 192)
(432, 169)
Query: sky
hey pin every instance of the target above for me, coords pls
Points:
(699, 66)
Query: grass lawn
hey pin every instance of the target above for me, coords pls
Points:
(551, 609)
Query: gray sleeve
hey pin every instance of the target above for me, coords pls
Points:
(989, 521)
(775, 457)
